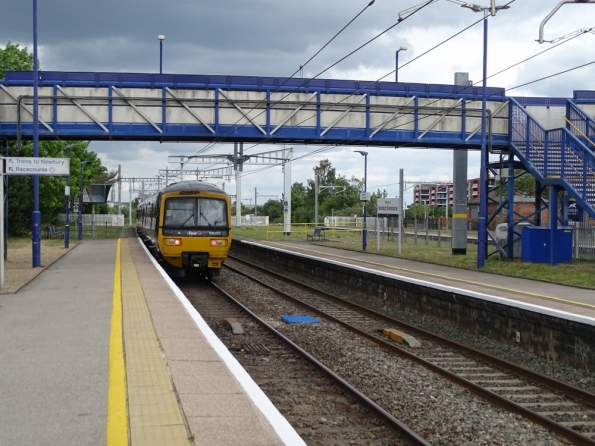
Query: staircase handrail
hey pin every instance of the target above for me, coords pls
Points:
(579, 131)
(533, 136)
(589, 121)
(534, 121)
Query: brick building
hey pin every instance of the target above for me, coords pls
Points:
(523, 205)
(441, 194)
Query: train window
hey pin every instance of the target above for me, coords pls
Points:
(179, 212)
(212, 212)
(195, 213)
(151, 212)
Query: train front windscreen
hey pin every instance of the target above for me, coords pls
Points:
(195, 213)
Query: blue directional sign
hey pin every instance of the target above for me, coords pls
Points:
(37, 166)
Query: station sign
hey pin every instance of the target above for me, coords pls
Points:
(37, 166)
(388, 206)
(365, 196)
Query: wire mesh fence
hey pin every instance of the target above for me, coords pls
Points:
(584, 241)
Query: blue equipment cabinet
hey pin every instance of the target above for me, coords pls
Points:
(536, 244)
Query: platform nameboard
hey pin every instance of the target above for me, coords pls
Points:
(388, 206)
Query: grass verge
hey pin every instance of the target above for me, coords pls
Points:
(575, 273)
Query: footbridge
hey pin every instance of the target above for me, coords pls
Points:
(552, 138)
(120, 106)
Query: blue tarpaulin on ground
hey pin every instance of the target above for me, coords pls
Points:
(299, 319)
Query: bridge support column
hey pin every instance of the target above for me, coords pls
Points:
(459, 209)
(537, 202)
(459, 189)
(510, 220)
(553, 217)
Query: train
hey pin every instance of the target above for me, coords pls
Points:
(187, 228)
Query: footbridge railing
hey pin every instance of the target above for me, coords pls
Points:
(168, 107)
(580, 124)
(555, 157)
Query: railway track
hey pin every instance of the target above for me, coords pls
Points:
(323, 408)
(563, 409)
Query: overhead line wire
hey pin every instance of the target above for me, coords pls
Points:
(551, 75)
(323, 71)
(328, 147)
(388, 74)
(391, 72)
(210, 145)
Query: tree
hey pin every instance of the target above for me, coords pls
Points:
(51, 189)
(418, 211)
(302, 210)
(524, 183)
(336, 192)
(14, 59)
(274, 210)
(19, 191)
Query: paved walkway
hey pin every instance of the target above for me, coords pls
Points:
(101, 348)
(54, 337)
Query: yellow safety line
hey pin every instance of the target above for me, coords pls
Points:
(117, 414)
(449, 278)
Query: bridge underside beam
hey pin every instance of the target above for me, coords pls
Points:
(108, 106)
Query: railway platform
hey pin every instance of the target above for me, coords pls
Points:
(543, 296)
(101, 348)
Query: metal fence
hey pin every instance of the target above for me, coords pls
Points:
(100, 219)
(250, 220)
(583, 241)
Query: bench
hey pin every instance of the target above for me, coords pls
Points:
(318, 232)
(51, 232)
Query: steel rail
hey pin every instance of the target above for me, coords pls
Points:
(570, 391)
(391, 422)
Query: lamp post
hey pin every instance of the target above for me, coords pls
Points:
(403, 48)
(36, 216)
(483, 189)
(80, 218)
(161, 38)
(365, 230)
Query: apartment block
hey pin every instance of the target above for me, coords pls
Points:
(441, 194)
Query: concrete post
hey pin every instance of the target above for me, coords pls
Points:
(119, 189)
(287, 194)
(459, 208)
(316, 199)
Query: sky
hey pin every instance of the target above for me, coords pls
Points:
(273, 38)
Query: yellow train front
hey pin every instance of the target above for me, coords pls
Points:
(187, 228)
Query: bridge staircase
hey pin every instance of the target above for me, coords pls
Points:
(580, 124)
(562, 157)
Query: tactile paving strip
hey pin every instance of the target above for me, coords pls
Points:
(154, 411)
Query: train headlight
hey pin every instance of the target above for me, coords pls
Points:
(173, 241)
(218, 242)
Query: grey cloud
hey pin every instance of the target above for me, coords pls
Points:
(272, 38)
